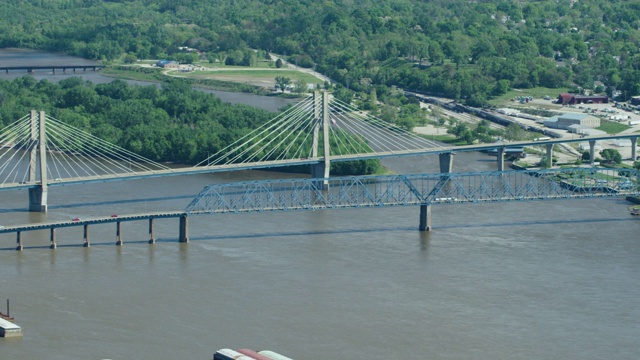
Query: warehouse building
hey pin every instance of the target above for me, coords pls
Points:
(573, 99)
(564, 121)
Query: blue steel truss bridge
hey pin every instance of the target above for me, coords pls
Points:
(38, 151)
(421, 190)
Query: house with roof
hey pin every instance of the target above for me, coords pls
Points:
(167, 64)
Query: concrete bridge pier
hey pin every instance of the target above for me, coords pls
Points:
(118, 233)
(446, 162)
(184, 229)
(321, 172)
(634, 143)
(549, 155)
(592, 151)
(86, 236)
(152, 239)
(446, 165)
(500, 159)
(52, 238)
(425, 218)
(19, 241)
(38, 199)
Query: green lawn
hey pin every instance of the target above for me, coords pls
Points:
(611, 127)
(249, 76)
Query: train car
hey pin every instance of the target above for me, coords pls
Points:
(228, 354)
(273, 355)
(253, 354)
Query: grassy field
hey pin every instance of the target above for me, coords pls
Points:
(611, 127)
(265, 77)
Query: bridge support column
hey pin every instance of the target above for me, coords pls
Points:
(184, 229)
(38, 163)
(320, 172)
(38, 199)
(634, 143)
(52, 238)
(19, 241)
(118, 233)
(446, 162)
(500, 159)
(152, 239)
(549, 155)
(86, 236)
(592, 151)
(425, 218)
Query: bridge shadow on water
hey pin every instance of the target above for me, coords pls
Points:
(335, 232)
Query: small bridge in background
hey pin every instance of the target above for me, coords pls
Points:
(31, 68)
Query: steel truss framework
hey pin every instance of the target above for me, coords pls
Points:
(419, 189)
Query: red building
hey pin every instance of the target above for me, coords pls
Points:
(582, 99)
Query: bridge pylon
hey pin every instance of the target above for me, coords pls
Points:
(321, 116)
(38, 163)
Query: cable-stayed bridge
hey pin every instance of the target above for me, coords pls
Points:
(39, 151)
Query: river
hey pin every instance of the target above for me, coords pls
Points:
(521, 280)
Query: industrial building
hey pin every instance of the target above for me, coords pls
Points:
(573, 99)
(167, 64)
(564, 121)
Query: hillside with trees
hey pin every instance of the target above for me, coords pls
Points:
(466, 50)
(470, 51)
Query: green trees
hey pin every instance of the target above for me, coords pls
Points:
(282, 82)
(611, 155)
(174, 123)
(469, 52)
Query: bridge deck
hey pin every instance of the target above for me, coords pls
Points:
(91, 221)
(305, 161)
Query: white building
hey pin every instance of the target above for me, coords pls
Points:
(565, 120)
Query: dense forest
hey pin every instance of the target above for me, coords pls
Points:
(469, 50)
(174, 123)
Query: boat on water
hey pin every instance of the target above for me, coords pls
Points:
(6, 317)
(635, 210)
